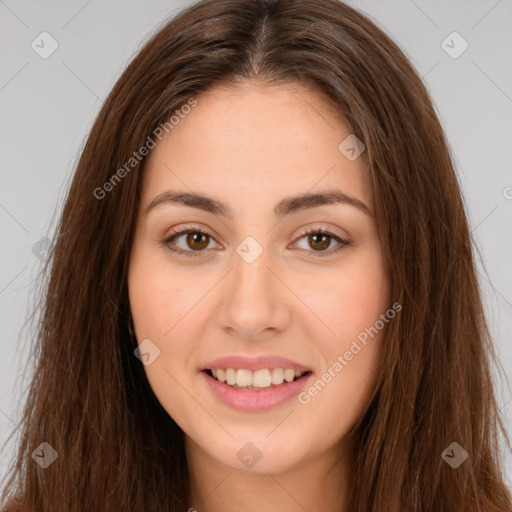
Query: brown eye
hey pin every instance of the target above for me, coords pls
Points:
(319, 241)
(197, 240)
(194, 243)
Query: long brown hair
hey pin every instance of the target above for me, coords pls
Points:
(89, 398)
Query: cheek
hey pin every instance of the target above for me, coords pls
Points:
(159, 303)
(350, 299)
(337, 397)
(336, 404)
(159, 299)
(351, 306)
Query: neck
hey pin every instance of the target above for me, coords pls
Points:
(318, 484)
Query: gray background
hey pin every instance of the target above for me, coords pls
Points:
(47, 107)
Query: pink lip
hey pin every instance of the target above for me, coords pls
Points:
(248, 400)
(255, 363)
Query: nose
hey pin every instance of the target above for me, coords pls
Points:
(254, 302)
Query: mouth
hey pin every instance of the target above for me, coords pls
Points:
(258, 380)
(255, 391)
(255, 383)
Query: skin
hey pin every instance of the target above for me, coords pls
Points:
(250, 146)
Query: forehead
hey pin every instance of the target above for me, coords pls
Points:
(252, 141)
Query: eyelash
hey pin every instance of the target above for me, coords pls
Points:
(308, 231)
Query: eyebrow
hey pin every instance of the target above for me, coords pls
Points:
(291, 204)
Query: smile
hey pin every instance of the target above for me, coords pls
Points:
(266, 378)
(258, 390)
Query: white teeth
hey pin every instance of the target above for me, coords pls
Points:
(289, 375)
(230, 376)
(264, 378)
(261, 378)
(243, 377)
(277, 376)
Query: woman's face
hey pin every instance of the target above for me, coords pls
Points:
(256, 298)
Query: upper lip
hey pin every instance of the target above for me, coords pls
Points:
(255, 363)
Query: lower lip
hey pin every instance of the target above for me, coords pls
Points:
(248, 400)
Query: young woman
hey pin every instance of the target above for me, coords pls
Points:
(262, 294)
